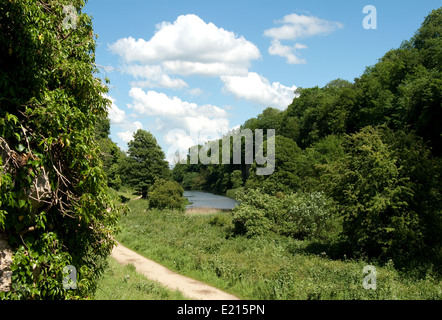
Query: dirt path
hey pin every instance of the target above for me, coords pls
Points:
(189, 287)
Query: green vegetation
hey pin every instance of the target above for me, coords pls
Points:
(131, 285)
(54, 207)
(268, 266)
(145, 163)
(358, 179)
(364, 157)
(299, 215)
(166, 195)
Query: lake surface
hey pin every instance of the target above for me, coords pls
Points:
(199, 199)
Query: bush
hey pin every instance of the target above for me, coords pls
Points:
(166, 194)
(298, 215)
(234, 193)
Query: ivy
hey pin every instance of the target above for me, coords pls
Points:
(54, 207)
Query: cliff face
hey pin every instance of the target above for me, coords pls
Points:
(5, 264)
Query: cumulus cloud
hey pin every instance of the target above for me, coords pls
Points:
(189, 46)
(184, 123)
(300, 26)
(178, 113)
(258, 89)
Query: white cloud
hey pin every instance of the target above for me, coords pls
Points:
(258, 89)
(120, 121)
(178, 113)
(152, 103)
(188, 46)
(287, 52)
(179, 120)
(116, 115)
(126, 136)
(299, 26)
(295, 27)
(195, 92)
(156, 77)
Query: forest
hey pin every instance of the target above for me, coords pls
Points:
(358, 164)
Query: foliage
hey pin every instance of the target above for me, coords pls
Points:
(145, 162)
(285, 177)
(386, 190)
(236, 179)
(297, 215)
(54, 207)
(260, 267)
(111, 155)
(164, 194)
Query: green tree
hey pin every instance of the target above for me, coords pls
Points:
(387, 189)
(145, 162)
(111, 154)
(54, 209)
(166, 194)
(285, 178)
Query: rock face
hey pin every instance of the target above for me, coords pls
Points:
(5, 264)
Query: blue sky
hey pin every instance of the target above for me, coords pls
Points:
(178, 67)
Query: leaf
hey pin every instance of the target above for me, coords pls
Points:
(21, 204)
(20, 148)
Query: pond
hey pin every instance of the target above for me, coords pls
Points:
(200, 199)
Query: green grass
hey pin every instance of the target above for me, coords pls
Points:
(266, 267)
(124, 283)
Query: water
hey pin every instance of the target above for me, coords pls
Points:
(199, 199)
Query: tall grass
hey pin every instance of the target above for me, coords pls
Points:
(263, 267)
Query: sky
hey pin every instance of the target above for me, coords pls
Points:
(192, 69)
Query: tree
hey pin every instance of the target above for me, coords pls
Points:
(145, 162)
(111, 154)
(388, 190)
(54, 209)
(285, 177)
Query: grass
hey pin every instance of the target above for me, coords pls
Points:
(267, 267)
(124, 283)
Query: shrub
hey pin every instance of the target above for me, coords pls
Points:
(298, 215)
(236, 179)
(305, 215)
(165, 194)
(234, 193)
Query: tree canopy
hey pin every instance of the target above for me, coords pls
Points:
(145, 162)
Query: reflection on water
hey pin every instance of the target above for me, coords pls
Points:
(199, 199)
